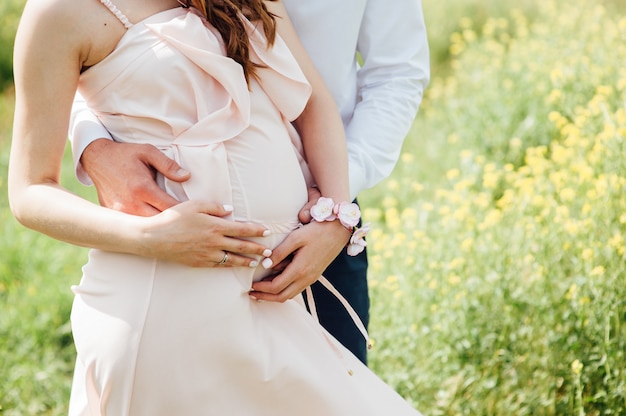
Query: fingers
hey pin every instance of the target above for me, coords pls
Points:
(241, 251)
(283, 286)
(291, 278)
(281, 252)
(224, 259)
(231, 228)
(223, 235)
(211, 208)
(146, 189)
(164, 165)
(233, 236)
(230, 259)
(124, 176)
(237, 246)
(149, 194)
(305, 213)
(202, 234)
(313, 246)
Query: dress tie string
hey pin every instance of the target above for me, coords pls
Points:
(355, 317)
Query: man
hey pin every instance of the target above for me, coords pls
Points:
(378, 100)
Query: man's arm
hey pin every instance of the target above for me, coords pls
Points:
(85, 128)
(122, 173)
(391, 82)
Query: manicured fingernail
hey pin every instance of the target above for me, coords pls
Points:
(267, 263)
(255, 298)
(182, 172)
(253, 263)
(228, 208)
(266, 233)
(267, 253)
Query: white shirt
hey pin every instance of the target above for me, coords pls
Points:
(378, 100)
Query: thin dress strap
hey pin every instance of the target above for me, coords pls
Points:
(120, 16)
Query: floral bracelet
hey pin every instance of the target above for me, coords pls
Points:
(349, 215)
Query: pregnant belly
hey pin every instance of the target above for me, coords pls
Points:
(267, 181)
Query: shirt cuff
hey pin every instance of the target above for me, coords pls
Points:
(86, 129)
(357, 178)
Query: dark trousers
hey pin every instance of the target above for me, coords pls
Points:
(348, 274)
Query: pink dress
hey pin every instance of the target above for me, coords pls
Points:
(157, 338)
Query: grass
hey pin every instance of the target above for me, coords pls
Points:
(36, 349)
(10, 11)
(497, 260)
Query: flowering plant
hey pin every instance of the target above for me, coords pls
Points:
(349, 215)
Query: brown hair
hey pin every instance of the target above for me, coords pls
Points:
(223, 15)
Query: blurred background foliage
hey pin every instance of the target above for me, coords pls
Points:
(497, 256)
(10, 11)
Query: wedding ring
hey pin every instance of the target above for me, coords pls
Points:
(224, 260)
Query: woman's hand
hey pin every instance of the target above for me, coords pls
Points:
(311, 248)
(305, 213)
(195, 234)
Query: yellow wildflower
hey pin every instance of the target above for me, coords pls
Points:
(407, 158)
(417, 187)
(567, 194)
(427, 206)
(572, 292)
(452, 174)
(587, 254)
(598, 271)
(393, 185)
(577, 367)
(467, 244)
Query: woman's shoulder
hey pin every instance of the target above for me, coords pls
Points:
(70, 19)
(62, 13)
(85, 28)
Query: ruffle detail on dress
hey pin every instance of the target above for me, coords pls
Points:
(280, 75)
(200, 148)
(202, 46)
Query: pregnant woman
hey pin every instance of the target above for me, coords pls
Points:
(213, 86)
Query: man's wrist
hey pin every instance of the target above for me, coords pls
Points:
(348, 215)
(95, 146)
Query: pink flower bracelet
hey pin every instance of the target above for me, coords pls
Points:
(349, 215)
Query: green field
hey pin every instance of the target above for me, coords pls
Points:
(498, 255)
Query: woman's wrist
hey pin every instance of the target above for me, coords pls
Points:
(348, 215)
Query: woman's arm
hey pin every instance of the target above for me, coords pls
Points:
(54, 41)
(319, 124)
(50, 49)
(315, 245)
